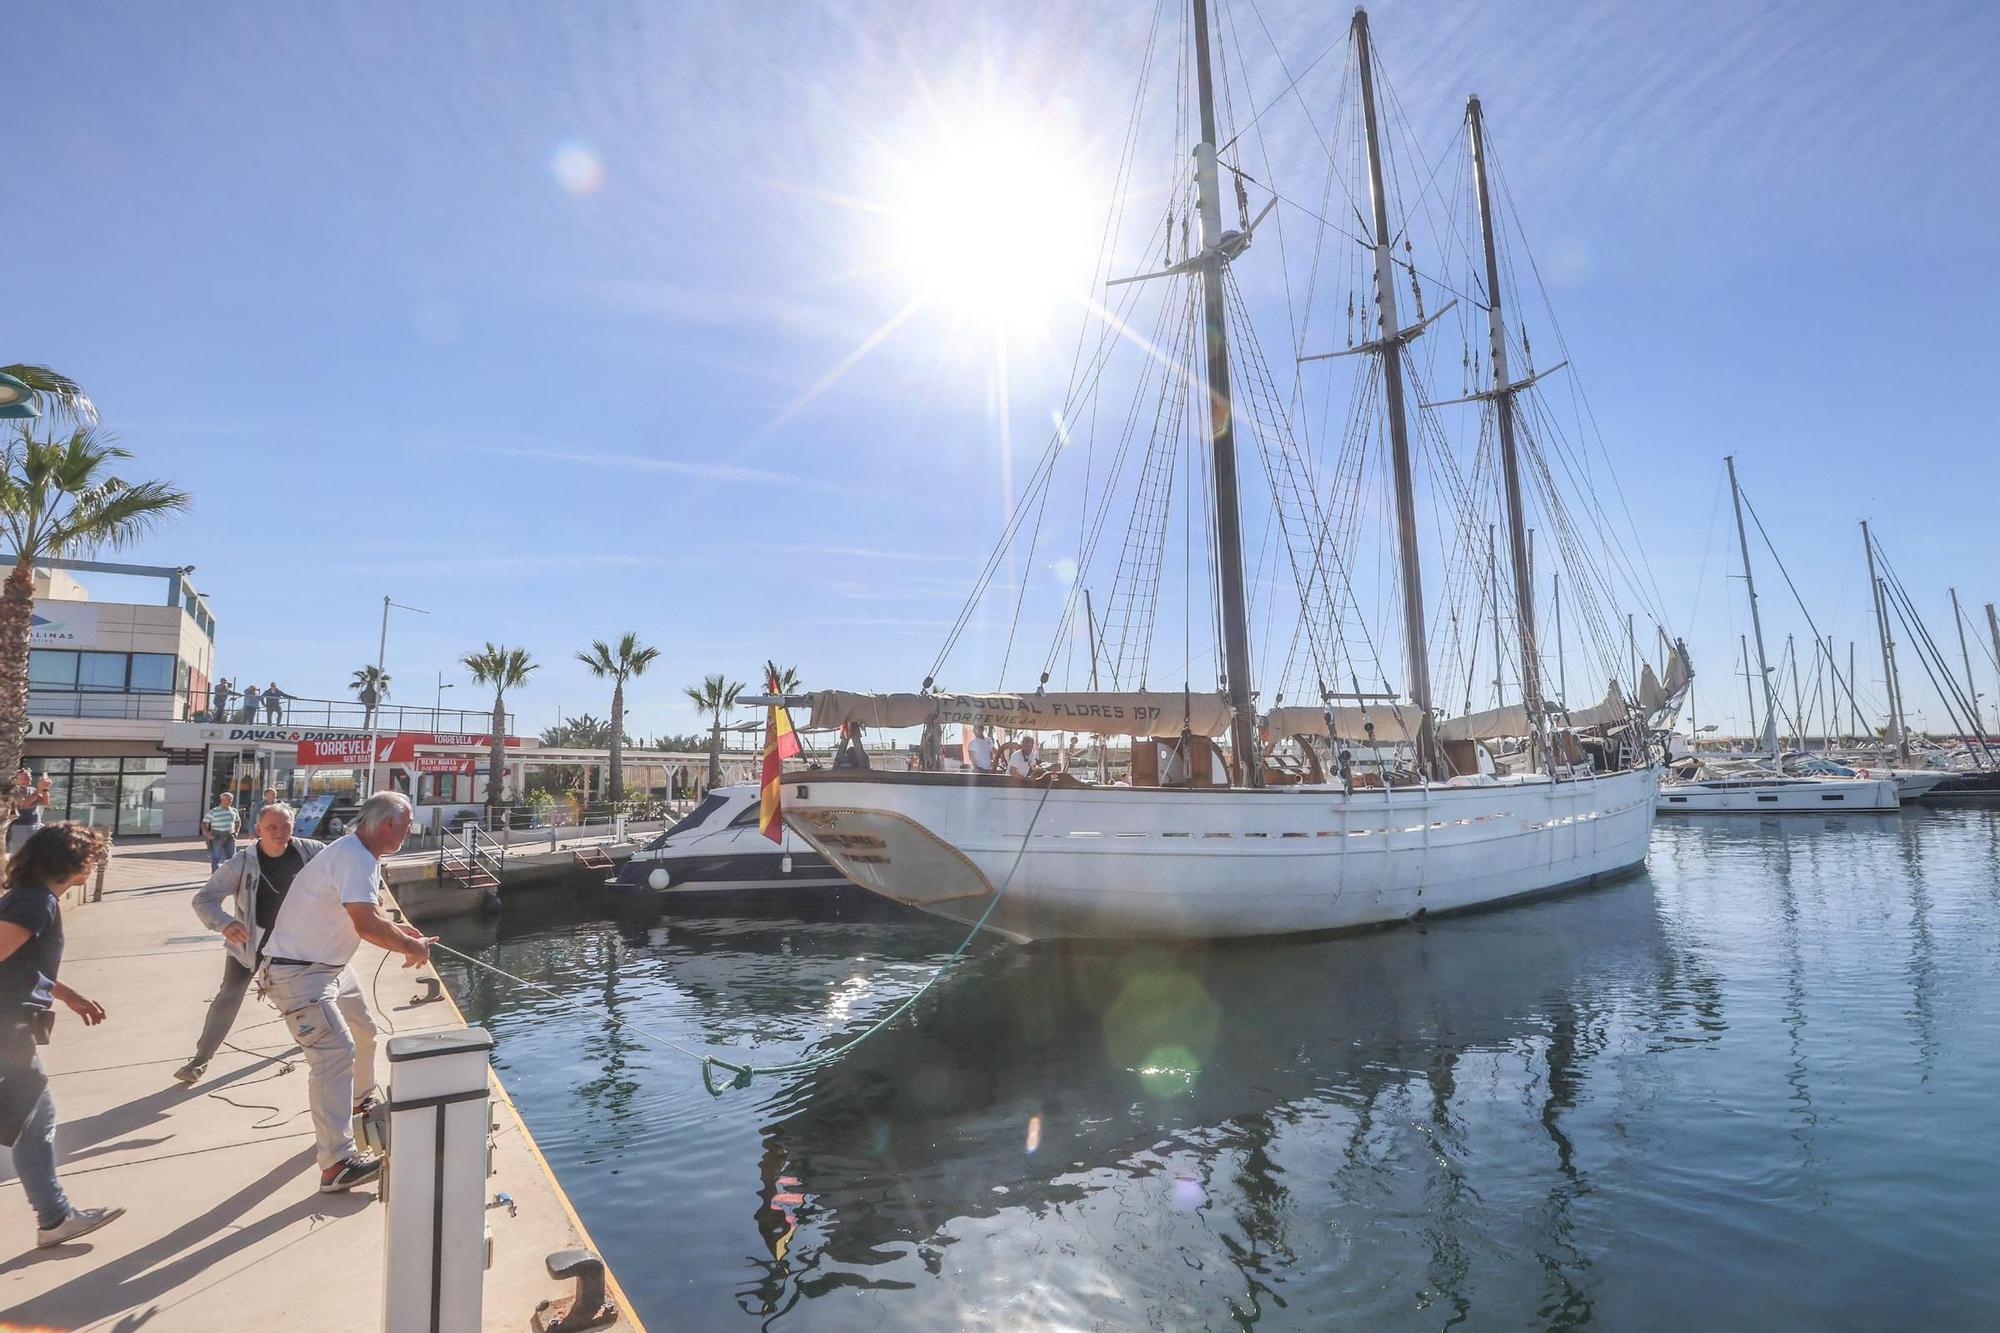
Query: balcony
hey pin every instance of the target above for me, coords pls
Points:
(183, 706)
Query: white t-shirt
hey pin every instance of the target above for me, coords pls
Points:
(981, 750)
(1023, 763)
(313, 925)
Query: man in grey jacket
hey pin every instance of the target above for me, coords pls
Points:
(241, 900)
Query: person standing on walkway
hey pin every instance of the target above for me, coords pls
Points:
(334, 904)
(29, 798)
(274, 703)
(219, 826)
(224, 692)
(52, 861)
(241, 900)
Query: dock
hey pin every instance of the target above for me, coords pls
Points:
(224, 1226)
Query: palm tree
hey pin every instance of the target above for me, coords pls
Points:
(58, 392)
(58, 499)
(781, 680)
(714, 696)
(504, 669)
(629, 658)
(372, 684)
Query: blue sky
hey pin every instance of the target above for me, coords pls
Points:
(556, 320)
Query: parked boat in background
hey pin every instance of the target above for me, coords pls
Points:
(719, 850)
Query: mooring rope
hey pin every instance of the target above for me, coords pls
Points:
(740, 1075)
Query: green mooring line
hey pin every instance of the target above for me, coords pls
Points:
(741, 1075)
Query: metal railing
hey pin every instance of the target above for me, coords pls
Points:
(349, 714)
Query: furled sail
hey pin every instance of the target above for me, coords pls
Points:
(1349, 723)
(1099, 712)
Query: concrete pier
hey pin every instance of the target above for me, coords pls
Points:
(225, 1228)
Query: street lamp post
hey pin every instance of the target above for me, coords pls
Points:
(381, 660)
(438, 707)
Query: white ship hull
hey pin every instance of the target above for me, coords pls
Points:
(1776, 796)
(1164, 863)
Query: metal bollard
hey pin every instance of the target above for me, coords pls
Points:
(589, 1308)
(435, 1222)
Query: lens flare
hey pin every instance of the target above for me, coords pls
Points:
(578, 168)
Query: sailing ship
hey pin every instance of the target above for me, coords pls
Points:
(1236, 822)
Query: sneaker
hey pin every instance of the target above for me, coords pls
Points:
(80, 1222)
(191, 1072)
(344, 1176)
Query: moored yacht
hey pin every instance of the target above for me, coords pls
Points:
(717, 849)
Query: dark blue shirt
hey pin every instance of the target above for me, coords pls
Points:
(27, 974)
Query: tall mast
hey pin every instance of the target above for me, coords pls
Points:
(1504, 390)
(1971, 685)
(1896, 732)
(1749, 691)
(1493, 578)
(1222, 428)
(1798, 696)
(1853, 704)
(1993, 629)
(1756, 621)
(1389, 346)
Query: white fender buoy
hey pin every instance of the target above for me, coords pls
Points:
(659, 878)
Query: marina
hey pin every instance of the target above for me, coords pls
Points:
(1205, 664)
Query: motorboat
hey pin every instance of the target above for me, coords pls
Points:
(1911, 783)
(717, 848)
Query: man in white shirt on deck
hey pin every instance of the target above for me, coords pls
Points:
(333, 905)
(979, 751)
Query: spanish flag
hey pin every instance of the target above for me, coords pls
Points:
(780, 743)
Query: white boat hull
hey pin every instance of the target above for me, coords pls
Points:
(1777, 796)
(1131, 863)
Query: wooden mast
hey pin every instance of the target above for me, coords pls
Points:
(1222, 429)
(1388, 345)
(1504, 390)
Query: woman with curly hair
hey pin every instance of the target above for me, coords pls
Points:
(54, 859)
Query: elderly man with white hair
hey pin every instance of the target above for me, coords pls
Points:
(333, 905)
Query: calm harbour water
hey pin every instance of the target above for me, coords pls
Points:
(1753, 1087)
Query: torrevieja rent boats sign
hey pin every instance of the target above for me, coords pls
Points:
(395, 746)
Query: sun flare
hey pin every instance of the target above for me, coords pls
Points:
(995, 225)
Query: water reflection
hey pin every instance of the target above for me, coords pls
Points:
(1466, 1123)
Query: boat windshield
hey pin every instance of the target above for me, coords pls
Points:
(694, 818)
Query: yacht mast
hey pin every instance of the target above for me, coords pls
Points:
(1756, 621)
(1222, 429)
(1971, 685)
(1749, 692)
(1896, 731)
(1504, 390)
(1993, 629)
(1388, 345)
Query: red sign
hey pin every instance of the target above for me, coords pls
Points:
(444, 763)
(396, 748)
(347, 751)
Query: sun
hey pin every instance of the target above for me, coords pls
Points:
(992, 222)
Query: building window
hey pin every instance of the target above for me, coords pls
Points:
(152, 671)
(125, 795)
(52, 669)
(101, 671)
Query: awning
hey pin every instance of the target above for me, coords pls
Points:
(1100, 712)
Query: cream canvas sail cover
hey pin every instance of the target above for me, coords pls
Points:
(1100, 712)
(1349, 723)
